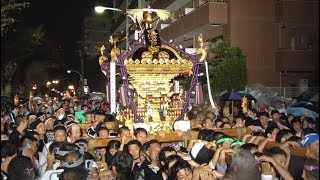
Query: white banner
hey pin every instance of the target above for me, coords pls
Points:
(176, 87)
(113, 102)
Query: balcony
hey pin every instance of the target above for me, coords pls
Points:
(295, 60)
(210, 13)
(170, 5)
(160, 4)
(297, 11)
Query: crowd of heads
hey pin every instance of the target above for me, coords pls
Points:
(45, 141)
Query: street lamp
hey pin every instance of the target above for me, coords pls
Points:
(81, 79)
(71, 87)
(101, 9)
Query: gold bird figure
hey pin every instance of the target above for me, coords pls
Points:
(114, 40)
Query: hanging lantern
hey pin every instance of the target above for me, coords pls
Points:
(30, 96)
(244, 104)
(16, 100)
(68, 95)
(125, 96)
(199, 94)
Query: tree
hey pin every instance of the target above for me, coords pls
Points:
(227, 70)
(8, 9)
(16, 45)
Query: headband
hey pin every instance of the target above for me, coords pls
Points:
(90, 164)
(46, 121)
(70, 116)
(25, 149)
(196, 149)
(60, 130)
(237, 143)
(74, 164)
(222, 140)
(61, 153)
(71, 124)
(41, 116)
(82, 145)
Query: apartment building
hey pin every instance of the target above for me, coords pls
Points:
(280, 38)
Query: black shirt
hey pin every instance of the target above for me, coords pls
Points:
(148, 171)
(296, 166)
(252, 122)
(15, 138)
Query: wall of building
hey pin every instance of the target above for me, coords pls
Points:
(264, 29)
(252, 28)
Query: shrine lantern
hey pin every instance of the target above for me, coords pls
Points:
(16, 100)
(244, 104)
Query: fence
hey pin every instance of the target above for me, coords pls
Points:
(290, 92)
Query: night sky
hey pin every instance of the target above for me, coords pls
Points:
(63, 21)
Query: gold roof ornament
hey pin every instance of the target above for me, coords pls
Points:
(115, 51)
(201, 51)
(147, 19)
(102, 49)
(102, 58)
(140, 14)
(114, 40)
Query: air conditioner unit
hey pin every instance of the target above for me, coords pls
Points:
(191, 50)
(303, 85)
(163, 26)
(188, 10)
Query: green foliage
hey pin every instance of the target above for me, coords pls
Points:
(18, 44)
(227, 70)
(8, 9)
(21, 44)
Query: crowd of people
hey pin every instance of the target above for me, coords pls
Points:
(43, 140)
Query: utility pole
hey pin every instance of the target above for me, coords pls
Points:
(127, 27)
(82, 72)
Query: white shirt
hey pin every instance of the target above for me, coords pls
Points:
(43, 158)
(51, 174)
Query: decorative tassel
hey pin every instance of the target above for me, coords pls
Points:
(108, 92)
(199, 94)
(123, 96)
(125, 100)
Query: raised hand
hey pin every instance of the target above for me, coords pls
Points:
(50, 157)
(266, 159)
(103, 151)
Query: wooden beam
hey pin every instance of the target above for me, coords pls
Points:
(109, 125)
(302, 152)
(84, 126)
(174, 137)
(170, 137)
